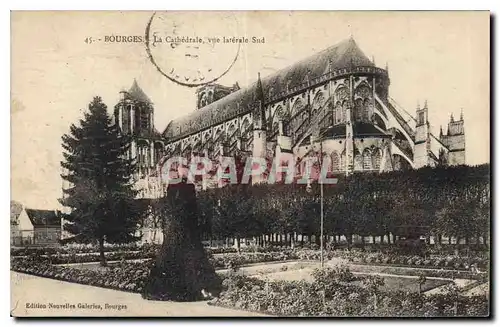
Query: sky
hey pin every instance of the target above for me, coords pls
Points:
(441, 57)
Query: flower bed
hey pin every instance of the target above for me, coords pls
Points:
(127, 277)
(451, 263)
(235, 260)
(332, 295)
(94, 257)
(124, 276)
(78, 249)
(254, 254)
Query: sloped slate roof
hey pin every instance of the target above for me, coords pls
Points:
(137, 93)
(42, 218)
(345, 54)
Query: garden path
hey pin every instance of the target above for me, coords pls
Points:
(31, 289)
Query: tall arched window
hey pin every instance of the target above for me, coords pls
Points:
(367, 160)
(358, 109)
(341, 96)
(358, 161)
(377, 158)
(344, 111)
(367, 109)
(343, 161)
(363, 95)
(335, 161)
(338, 113)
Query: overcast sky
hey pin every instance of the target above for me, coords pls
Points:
(441, 57)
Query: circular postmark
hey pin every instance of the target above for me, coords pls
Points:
(192, 48)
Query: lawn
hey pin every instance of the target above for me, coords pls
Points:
(409, 283)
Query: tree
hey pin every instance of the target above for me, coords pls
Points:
(101, 197)
(181, 271)
(15, 211)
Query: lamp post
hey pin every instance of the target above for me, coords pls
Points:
(321, 201)
(309, 190)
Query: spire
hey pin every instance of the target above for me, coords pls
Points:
(137, 93)
(425, 104)
(461, 114)
(373, 59)
(259, 92)
(418, 105)
(451, 118)
(386, 66)
(440, 131)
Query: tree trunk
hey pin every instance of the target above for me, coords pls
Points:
(301, 240)
(373, 239)
(348, 238)
(292, 240)
(101, 252)
(238, 244)
(181, 271)
(449, 240)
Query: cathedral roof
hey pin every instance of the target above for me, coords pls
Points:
(345, 54)
(137, 93)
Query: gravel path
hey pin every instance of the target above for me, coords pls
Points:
(27, 290)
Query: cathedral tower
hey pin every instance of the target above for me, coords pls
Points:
(134, 114)
(455, 141)
(421, 152)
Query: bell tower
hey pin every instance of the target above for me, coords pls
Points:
(421, 152)
(455, 141)
(134, 114)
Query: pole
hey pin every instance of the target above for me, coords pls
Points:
(322, 259)
(321, 190)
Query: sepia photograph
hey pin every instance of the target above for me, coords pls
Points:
(250, 164)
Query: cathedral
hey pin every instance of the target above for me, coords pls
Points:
(336, 102)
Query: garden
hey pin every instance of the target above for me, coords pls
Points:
(399, 244)
(266, 279)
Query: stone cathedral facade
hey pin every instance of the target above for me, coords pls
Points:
(336, 101)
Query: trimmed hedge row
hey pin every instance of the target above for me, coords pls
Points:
(76, 249)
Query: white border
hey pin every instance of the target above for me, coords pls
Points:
(492, 5)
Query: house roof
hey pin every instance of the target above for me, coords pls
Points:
(43, 218)
(345, 54)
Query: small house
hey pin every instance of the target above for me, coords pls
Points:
(35, 227)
